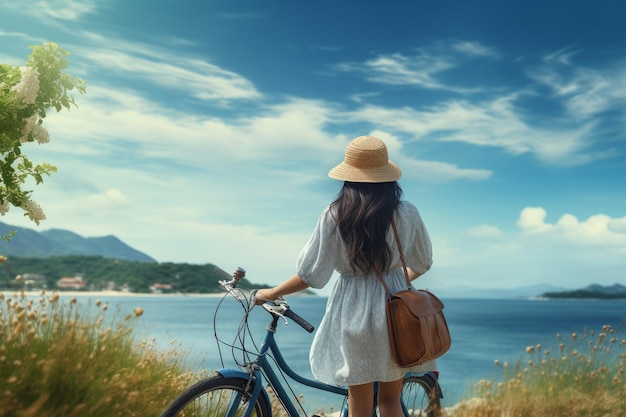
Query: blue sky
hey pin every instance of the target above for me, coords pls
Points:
(208, 128)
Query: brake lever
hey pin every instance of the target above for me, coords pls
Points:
(279, 307)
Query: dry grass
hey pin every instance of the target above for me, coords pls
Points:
(581, 375)
(66, 359)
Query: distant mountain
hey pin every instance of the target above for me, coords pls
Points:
(616, 291)
(27, 243)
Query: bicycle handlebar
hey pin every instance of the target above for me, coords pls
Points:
(300, 321)
(279, 308)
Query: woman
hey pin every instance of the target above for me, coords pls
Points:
(353, 236)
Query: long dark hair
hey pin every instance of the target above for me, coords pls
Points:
(363, 212)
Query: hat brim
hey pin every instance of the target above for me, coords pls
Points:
(386, 173)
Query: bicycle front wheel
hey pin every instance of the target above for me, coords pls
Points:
(420, 396)
(217, 397)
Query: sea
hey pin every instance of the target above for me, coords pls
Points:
(484, 332)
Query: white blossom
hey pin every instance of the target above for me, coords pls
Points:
(28, 87)
(40, 134)
(4, 207)
(31, 122)
(34, 211)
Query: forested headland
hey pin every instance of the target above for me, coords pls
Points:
(99, 273)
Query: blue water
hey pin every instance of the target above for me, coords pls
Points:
(482, 331)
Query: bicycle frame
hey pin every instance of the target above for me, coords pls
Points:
(254, 371)
(262, 367)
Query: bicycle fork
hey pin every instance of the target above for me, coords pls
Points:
(255, 380)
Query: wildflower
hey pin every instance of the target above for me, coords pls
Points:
(530, 349)
(18, 278)
(138, 311)
(34, 211)
(28, 87)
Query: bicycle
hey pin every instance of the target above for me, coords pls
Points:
(241, 392)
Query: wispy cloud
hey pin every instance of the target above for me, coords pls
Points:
(496, 123)
(586, 92)
(398, 69)
(165, 68)
(424, 69)
(473, 48)
(65, 10)
(427, 171)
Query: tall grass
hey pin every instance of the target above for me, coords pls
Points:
(580, 375)
(63, 359)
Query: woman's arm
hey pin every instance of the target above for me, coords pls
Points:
(293, 284)
(413, 275)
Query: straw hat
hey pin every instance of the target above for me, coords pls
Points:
(366, 160)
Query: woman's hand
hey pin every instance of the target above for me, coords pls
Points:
(293, 284)
(263, 295)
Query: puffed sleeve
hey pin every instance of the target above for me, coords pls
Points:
(318, 259)
(419, 252)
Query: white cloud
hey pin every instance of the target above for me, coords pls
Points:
(485, 231)
(125, 123)
(426, 171)
(473, 48)
(568, 252)
(67, 10)
(598, 230)
(532, 220)
(586, 92)
(398, 69)
(496, 123)
(142, 62)
(421, 69)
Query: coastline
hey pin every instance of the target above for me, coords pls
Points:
(111, 293)
(100, 294)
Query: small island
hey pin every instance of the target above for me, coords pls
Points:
(595, 291)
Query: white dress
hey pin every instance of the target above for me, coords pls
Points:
(351, 345)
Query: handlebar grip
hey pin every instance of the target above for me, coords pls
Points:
(300, 321)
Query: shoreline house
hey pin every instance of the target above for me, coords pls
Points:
(34, 280)
(160, 288)
(71, 283)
